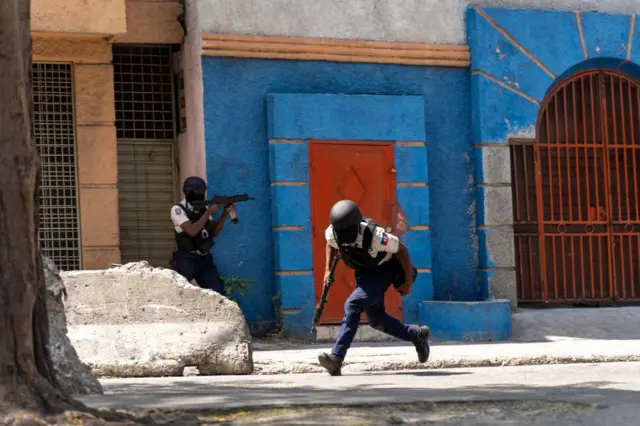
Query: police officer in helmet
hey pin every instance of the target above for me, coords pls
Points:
(379, 259)
(195, 229)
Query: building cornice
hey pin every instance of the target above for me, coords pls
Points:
(323, 49)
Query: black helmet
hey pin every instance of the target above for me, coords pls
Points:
(194, 184)
(345, 214)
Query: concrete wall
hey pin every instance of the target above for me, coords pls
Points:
(426, 21)
(152, 21)
(105, 17)
(78, 32)
(237, 155)
(95, 141)
(517, 56)
(131, 21)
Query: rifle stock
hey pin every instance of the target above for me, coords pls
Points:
(325, 293)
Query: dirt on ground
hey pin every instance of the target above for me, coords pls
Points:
(471, 413)
(445, 413)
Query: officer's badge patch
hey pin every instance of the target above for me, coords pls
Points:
(178, 211)
(384, 240)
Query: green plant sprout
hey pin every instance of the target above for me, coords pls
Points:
(236, 286)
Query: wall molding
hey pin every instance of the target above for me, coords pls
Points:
(69, 48)
(323, 49)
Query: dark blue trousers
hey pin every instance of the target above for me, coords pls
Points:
(202, 269)
(368, 297)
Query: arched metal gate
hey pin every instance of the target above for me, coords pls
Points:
(576, 203)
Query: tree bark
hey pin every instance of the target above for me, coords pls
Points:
(27, 378)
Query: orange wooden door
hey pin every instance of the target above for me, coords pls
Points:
(363, 173)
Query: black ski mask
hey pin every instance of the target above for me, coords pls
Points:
(348, 235)
(195, 196)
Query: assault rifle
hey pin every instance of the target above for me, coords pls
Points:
(325, 293)
(225, 200)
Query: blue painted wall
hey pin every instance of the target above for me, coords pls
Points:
(553, 39)
(237, 160)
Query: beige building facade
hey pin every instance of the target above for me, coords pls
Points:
(106, 121)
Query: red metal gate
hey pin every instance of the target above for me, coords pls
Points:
(576, 204)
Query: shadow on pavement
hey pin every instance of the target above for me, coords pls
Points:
(198, 394)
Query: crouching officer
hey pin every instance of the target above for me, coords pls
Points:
(195, 230)
(379, 260)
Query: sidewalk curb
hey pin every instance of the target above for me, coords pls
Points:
(272, 368)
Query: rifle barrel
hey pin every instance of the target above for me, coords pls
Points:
(325, 293)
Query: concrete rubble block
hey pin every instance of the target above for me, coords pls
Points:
(135, 320)
(74, 376)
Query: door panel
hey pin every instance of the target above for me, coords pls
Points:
(363, 173)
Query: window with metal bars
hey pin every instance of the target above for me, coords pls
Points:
(53, 125)
(144, 88)
(146, 125)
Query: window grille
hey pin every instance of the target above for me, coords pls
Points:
(146, 125)
(144, 92)
(53, 124)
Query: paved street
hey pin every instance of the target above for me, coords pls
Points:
(540, 336)
(562, 367)
(613, 388)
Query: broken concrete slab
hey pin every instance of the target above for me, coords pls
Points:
(136, 320)
(74, 376)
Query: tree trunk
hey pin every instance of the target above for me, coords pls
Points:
(27, 379)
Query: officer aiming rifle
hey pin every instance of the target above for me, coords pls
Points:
(379, 260)
(195, 230)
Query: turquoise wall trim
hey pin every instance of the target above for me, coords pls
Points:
(467, 321)
(295, 118)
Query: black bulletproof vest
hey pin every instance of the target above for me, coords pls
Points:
(358, 257)
(203, 241)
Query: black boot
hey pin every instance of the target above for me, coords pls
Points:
(332, 363)
(421, 342)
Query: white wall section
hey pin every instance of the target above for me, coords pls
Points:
(424, 21)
